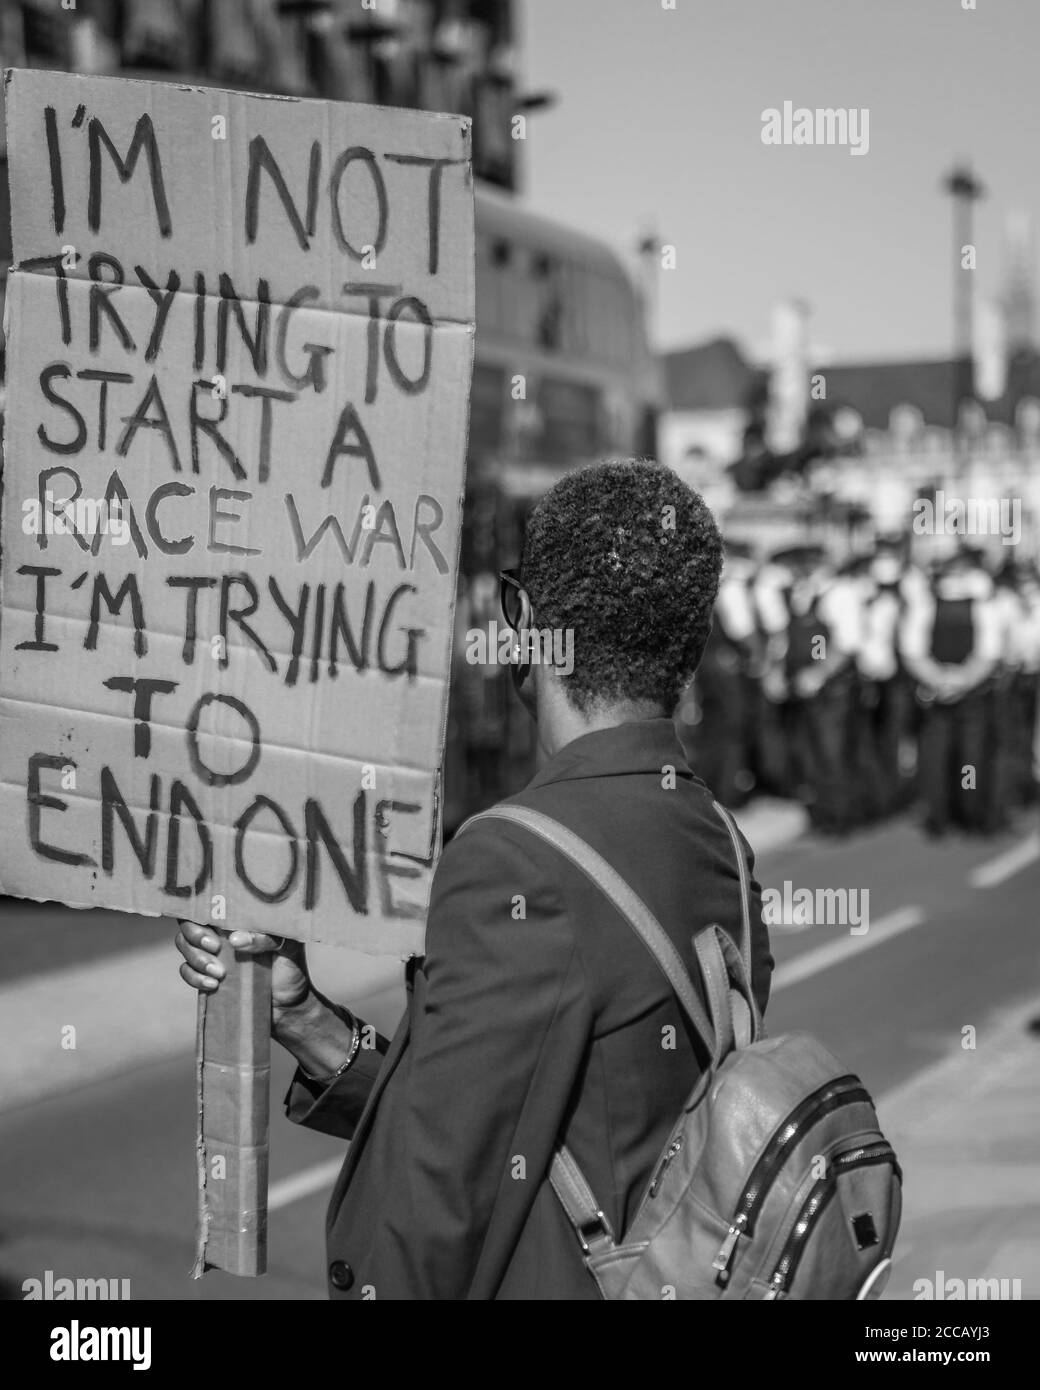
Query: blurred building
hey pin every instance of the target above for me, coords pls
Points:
(438, 55)
(563, 373)
(712, 392)
(795, 442)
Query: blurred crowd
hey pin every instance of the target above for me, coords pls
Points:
(868, 686)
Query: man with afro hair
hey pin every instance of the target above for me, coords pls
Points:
(537, 1018)
(628, 559)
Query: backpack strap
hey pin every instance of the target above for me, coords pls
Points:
(590, 1222)
(718, 957)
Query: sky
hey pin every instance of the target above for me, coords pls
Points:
(659, 123)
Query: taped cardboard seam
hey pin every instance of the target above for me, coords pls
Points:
(202, 1223)
(73, 278)
(294, 749)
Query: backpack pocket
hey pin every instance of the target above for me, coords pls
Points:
(771, 1163)
(843, 1231)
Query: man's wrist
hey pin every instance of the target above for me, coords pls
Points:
(326, 1078)
(322, 1036)
(294, 1022)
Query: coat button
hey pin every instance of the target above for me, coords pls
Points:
(341, 1275)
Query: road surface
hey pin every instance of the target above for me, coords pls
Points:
(100, 1182)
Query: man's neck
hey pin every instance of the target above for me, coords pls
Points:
(560, 722)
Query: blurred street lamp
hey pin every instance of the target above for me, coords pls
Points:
(965, 191)
(648, 249)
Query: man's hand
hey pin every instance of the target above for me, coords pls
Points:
(319, 1034)
(203, 969)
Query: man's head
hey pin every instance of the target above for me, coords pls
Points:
(627, 557)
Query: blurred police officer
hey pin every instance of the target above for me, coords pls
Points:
(951, 646)
(810, 615)
(727, 682)
(1017, 601)
(1029, 682)
(888, 587)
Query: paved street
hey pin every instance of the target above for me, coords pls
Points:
(98, 1180)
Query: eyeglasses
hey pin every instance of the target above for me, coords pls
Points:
(509, 591)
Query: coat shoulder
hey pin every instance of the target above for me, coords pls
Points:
(488, 870)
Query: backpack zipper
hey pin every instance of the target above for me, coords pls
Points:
(821, 1193)
(669, 1153)
(844, 1090)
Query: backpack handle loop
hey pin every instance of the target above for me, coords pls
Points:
(734, 1013)
(740, 969)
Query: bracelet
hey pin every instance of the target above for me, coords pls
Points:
(355, 1044)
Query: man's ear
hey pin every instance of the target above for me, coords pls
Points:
(526, 612)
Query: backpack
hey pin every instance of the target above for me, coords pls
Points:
(776, 1181)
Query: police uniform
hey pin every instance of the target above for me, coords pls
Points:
(951, 645)
(726, 742)
(810, 614)
(883, 715)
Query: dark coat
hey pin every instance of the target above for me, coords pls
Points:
(535, 1014)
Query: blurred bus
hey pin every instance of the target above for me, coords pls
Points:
(563, 375)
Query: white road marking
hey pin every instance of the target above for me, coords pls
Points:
(300, 1185)
(1005, 865)
(809, 963)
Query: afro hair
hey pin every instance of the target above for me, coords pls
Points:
(628, 558)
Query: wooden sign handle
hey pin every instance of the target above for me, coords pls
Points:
(233, 1076)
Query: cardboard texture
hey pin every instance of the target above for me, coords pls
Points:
(233, 1089)
(228, 692)
(240, 337)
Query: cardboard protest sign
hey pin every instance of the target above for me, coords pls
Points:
(240, 347)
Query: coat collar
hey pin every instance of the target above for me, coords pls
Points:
(643, 745)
